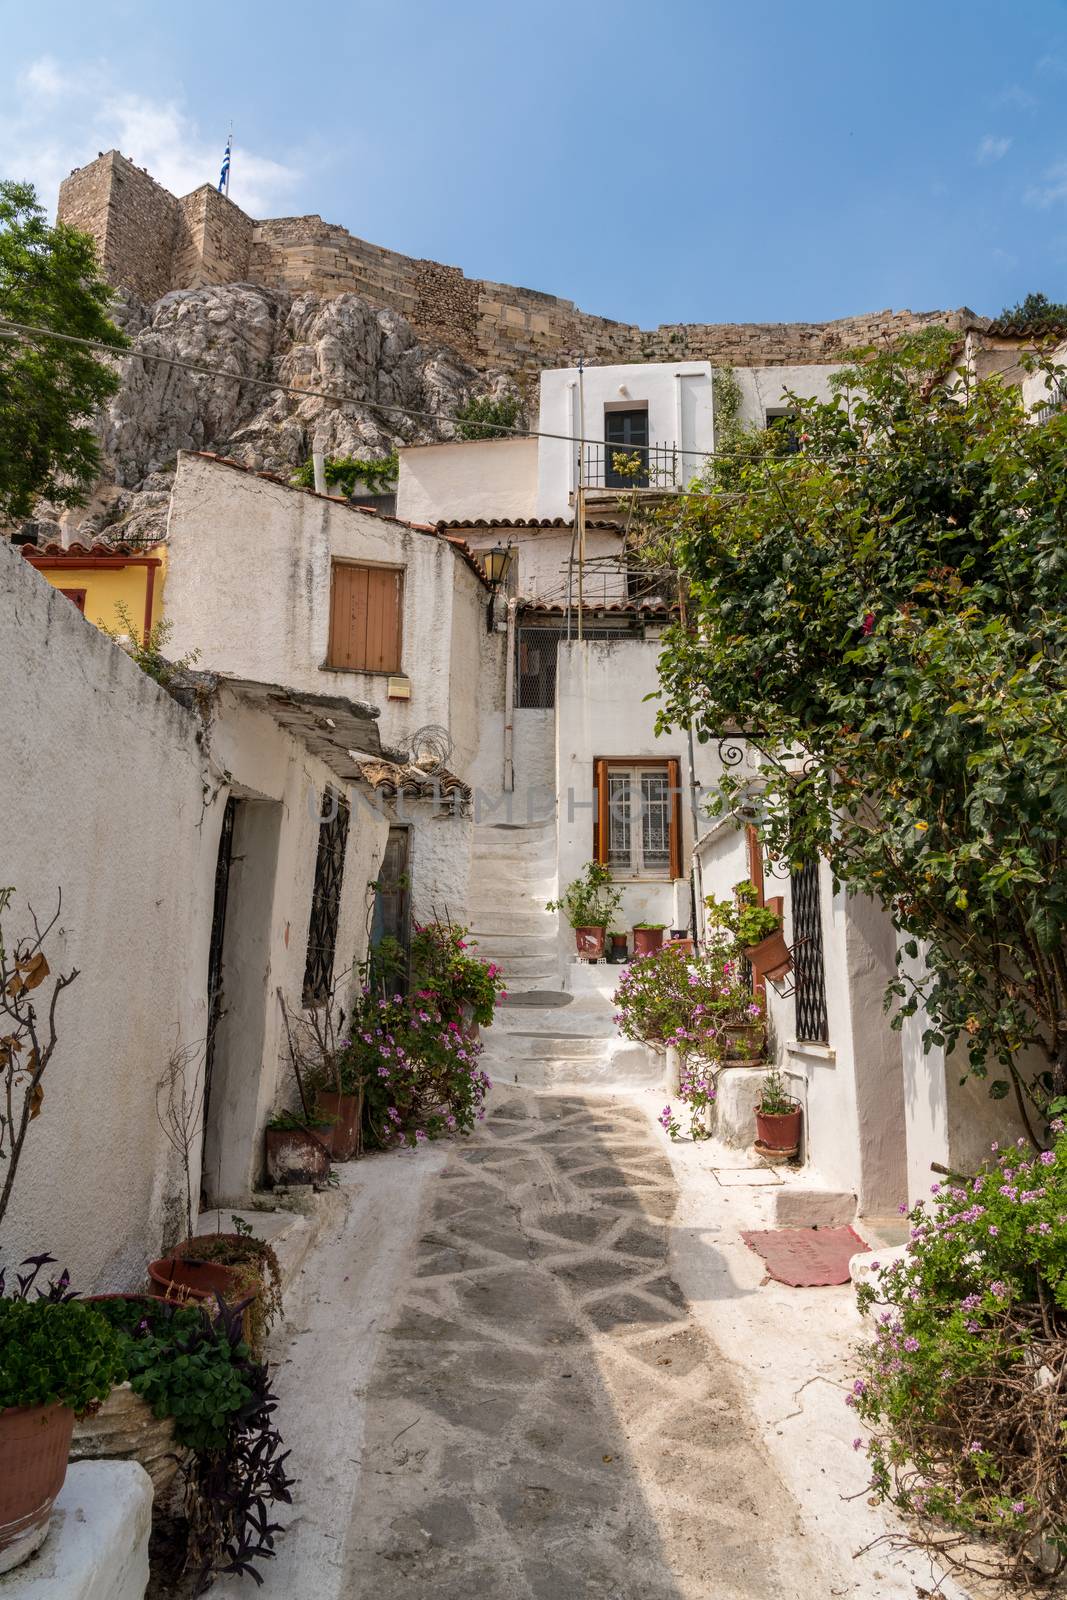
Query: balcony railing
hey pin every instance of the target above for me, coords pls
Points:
(655, 466)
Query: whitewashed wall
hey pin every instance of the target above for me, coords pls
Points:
(130, 808)
(101, 796)
(765, 389)
(601, 710)
(678, 397)
(467, 478)
(248, 585)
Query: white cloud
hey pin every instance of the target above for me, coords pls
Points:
(1051, 189)
(1015, 98)
(992, 148)
(59, 118)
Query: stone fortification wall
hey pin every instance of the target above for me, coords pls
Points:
(134, 220)
(151, 242)
(216, 240)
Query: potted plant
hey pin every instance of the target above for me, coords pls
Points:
(648, 936)
(297, 1148)
(617, 951)
(778, 1118)
(237, 1266)
(589, 902)
(56, 1357)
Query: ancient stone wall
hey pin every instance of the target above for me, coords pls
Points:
(134, 220)
(216, 240)
(152, 242)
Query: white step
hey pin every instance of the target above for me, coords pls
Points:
(505, 922)
(535, 966)
(545, 1044)
(572, 1022)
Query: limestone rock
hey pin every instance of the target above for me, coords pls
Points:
(335, 344)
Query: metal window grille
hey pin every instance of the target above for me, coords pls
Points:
(535, 668)
(639, 822)
(808, 975)
(655, 822)
(326, 899)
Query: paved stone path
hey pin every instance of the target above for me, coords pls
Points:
(546, 1421)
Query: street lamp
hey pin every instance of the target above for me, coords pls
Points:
(497, 564)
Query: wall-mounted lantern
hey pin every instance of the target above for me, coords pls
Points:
(497, 564)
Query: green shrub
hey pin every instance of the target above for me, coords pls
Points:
(56, 1353)
(963, 1381)
(590, 900)
(484, 418)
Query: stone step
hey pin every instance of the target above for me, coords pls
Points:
(548, 1044)
(572, 1022)
(535, 966)
(506, 922)
(557, 1071)
(519, 850)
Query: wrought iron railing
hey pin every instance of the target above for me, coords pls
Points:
(653, 466)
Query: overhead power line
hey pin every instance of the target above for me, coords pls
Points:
(30, 332)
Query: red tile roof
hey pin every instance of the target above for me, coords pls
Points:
(78, 551)
(521, 522)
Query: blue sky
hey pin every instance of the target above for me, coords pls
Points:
(679, 161)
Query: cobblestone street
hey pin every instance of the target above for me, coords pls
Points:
(545, 1419)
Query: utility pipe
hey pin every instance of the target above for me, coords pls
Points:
(509, 700)
(318, 463)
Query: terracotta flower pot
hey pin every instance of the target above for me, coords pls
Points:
(646, 940)
(771, 958)
(745, 1041)
(172, 1278)
(343, 1112)
(34, 1449)
(779, 1131)
(589, 942)
(683, 943)
(296, 1156)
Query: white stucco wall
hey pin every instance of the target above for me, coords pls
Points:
(248, 585)
(852, 1088)
(467, 478)
(765, 389)
(133, 807)
(601, 710)
(678, 397)
(109, 764)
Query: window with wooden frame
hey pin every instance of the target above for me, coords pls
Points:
(366, 616)
(637, 821)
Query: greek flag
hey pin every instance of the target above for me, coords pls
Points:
(224, 175)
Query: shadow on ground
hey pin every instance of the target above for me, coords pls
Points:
(545, 1419)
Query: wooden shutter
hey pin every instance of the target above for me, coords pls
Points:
(365, 618)
(600, 832)
(674, 778)
(76, 597)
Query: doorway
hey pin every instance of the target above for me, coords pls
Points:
(390, 933)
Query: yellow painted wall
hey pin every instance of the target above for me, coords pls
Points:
(106, 588)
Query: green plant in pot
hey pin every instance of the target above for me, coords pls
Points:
(589, 902)
(247, 1267)
(57, 1357)
(648, 936)
(778, 1118)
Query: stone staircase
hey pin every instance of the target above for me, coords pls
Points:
(551, 1029)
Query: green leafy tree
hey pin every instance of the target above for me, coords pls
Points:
(1036, 311)
(49, 391)
(884, 614)
(484, 418)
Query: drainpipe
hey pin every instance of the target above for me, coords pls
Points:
(509, 700)
(318, 463)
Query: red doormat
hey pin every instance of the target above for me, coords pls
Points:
(807, 1257)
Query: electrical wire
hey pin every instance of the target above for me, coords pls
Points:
(31, 333)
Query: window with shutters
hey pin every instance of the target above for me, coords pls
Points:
(366, 610)
(637, 819)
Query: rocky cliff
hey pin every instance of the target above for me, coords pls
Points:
(338, 344)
